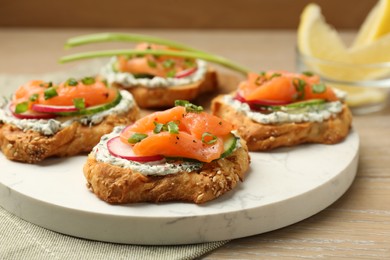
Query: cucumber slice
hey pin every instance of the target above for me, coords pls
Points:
(94, 109)
(229, 144)
(293, 106)
(310, 102)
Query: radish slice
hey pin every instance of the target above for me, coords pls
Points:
(30, 114)
(53, 109)
(185, 73)
(260, 102)
(119, 149)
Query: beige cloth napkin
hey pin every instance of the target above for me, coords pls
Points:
(22, 240)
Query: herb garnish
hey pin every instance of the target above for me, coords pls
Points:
(318, 88)
(71, 82)
(21, 107)
(189, 106)
(208, 138)
(50, 93)
(308, 73)
(173, 127)
(34, 97)
(79, 103)
(171, 74)
(137, 137)
(152, 64)
(88, 81)
(168, 63)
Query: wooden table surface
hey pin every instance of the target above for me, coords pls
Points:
(355, 226)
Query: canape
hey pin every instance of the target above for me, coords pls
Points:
(157, 81)
(43, 119)
(180, 154)
(276, 109)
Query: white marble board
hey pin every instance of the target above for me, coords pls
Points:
(282, 187)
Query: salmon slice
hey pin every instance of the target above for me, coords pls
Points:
(199, 123)
(200, 135)
(285, 87)
(162, 66)
(93, 94)
(179, 145)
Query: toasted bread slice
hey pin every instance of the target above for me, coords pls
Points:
(262, 137)
(32, 147)
(159, 97)
(118, 185)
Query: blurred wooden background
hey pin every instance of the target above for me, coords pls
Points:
(175, 14)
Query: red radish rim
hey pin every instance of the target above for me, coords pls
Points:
(186, 73)
(261, 102)
(115, 142)
(30, 114)
(53, 109)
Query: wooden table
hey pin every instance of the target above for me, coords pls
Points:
(355, 226)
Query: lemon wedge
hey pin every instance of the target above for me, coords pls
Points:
(318, 39)
(331, 59)
(376, 24)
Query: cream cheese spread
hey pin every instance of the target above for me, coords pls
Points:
(128, 80)
(51, 126)
(159, 168)
(311, 114)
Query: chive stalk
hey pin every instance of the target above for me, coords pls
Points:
(124, 37)
(196, 55)
(127, 37)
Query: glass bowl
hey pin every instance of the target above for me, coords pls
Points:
(367, 85)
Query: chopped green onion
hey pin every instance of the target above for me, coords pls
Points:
(171, 74)
(259, 80)
(79, 103)
(318, 88)
(168, 63)
(189, 63)
(152, 64)
(34, 97)
(173, 127)
(299, 84)
(207, 135)
(46, 84)
(105, 82)
(275, 75)
(262, 73)
(72, 82)
(88, 81)
(137, 137)
(308, 73)
(21, 107)
(189, 106)
(158, 127)
(50, 93)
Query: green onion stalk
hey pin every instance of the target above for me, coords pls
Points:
(184, 51)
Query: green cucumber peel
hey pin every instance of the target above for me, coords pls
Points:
(296, 105)
(94, 109)
(185, 54)
(229, 145)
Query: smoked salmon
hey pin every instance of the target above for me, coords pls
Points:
(284, 87)
(179, 132)
(153, 65)
(84, 93)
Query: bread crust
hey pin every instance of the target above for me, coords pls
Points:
(165, 96)
(118, 185)
(32, 147)
(262, 137)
